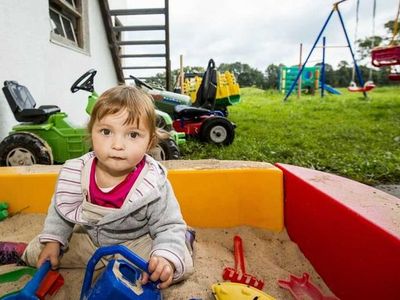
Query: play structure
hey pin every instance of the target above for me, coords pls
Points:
(310, 80)
(46, 136)
(389, 55)
(199, 119)
(363, 87)
(347, 230)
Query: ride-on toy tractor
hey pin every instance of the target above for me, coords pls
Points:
(227, 89)
(45, 135)
(199, 120)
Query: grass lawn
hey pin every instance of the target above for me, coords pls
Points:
(347, 135)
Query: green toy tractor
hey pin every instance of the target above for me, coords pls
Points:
(45, 135)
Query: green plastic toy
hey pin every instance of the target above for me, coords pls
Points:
(3, 210)
(14, 276)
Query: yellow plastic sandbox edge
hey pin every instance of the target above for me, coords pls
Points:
(208, 197)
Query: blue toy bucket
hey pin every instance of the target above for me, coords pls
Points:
(120, 280)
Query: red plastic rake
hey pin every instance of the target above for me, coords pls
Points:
(238, 274)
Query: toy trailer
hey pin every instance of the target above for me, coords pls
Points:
(349, 231)
(228, 90)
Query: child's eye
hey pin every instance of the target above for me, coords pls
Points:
(133, 135)
(105, 131)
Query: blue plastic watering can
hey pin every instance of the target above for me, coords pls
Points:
(121, 278)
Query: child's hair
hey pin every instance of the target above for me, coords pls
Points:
(137, 103)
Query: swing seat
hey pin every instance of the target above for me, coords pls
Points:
(369, 85)
(386, 56)
(394, 76)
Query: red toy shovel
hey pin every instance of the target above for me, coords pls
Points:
(238, 274)
(50, 284)
(303, 288)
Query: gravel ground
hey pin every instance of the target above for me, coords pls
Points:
(393, 189)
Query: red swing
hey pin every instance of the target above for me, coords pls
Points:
(394, 76)
(369, 85)
(389, 55)
(386, 56)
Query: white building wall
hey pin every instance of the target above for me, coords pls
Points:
(28, 56)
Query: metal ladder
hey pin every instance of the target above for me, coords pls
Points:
(120, 45)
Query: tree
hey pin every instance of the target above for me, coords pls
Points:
(236, 67)
(272, 76)
(246, 75)
(343, 74)
(365, 45)
(343, 64)
(251, 77)
(390, 28)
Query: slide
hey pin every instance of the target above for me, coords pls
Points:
(330, 89)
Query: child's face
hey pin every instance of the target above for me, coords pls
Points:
(119, 147)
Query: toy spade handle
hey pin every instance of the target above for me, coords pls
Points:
(110, 250)
(238, 253)
(29, 290)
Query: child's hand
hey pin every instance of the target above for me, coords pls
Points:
(51, 251)
(160, 269)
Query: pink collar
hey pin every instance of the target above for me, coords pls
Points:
(116, 197)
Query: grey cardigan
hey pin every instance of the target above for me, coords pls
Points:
(151, 209)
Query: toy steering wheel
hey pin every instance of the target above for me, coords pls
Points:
(140, 83)
(85, 82)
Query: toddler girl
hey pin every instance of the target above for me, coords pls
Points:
(116, 194)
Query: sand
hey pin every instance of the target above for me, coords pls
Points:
(269, 256)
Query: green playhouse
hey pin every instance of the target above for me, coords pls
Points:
(309, 78)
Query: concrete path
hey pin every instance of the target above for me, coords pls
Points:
(393, 189)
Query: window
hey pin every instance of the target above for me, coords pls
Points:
(72, 3)
(68, 23)
(62, 25)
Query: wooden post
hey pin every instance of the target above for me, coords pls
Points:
(168, 83)
(299, 81)
(181, 74)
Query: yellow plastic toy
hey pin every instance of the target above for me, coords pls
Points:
(235, 291)
(228, 90)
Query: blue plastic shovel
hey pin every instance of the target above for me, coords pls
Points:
(29, 291)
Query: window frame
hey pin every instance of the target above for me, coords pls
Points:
(76, 15)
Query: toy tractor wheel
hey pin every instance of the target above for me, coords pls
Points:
(165, 150)
(161, 123)
(24, 149)
(217, 130)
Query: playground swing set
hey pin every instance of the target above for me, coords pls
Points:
(389, 55)
(364, 87)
